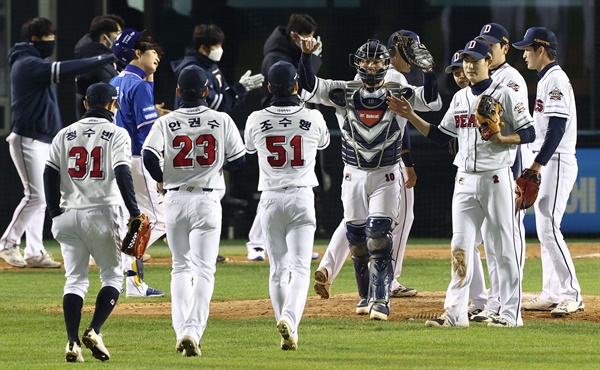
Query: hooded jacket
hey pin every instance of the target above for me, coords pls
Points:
(34, 105)
(86, 48)
(221, 97)
(280, 47)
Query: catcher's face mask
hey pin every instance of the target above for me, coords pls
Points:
(371, 61)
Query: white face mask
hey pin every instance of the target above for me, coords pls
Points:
(216, 54)
(110, 42)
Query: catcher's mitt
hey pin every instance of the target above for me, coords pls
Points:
(415, 53)
(488, 116)
(528, 186)
(138, 235)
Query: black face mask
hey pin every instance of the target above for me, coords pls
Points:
(45, 48)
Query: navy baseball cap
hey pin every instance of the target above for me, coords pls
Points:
(538, 36)
(192, 77)
(101, 93)
(478, 49)
(455, 61)
(493, 33)
(395, 37)
(282, 73)
(124, 45)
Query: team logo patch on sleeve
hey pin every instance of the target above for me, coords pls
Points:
(555, 94)
(513, 85)
(519, 108)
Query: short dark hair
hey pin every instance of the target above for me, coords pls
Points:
(102, 25)
(282, 90)
(207, 35)
(301, 23)
(38, 27)
(549, 51)
(146, 42)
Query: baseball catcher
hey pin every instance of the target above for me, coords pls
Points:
(488, 116)
(528, 186)
(413, 52)
(138, 235)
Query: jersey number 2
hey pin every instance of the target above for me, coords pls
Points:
(185, 144)
(279, 159)
(83, 159)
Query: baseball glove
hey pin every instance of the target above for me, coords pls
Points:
(138, 235)
(488, 116)
(528, 186)
(416, 53)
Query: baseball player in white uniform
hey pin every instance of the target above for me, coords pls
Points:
(86, 179)
(196, 143)
(286, 137)
(500, 71)
(426, 99)
(484, 185)
(555, 118)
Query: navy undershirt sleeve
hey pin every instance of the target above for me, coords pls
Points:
(527, 135)
(430, 86)
(236, 164)
(52, 191)
(125, 183)
(152, 164)
(306, 73)
(438, 136)
(556, 130)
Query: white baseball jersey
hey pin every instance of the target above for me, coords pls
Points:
(418, 102)
(555, 97)
(287, 139)
(508, 75)
(476, 154)
(95, 147)
(195, 142)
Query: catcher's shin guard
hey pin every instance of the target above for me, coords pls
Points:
(381, 269)
(360, 257)
(361, 271)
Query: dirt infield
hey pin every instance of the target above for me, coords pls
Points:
(423, 306)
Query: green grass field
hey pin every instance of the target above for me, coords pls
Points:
(32, 333)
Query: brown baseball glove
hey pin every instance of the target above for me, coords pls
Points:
(138, 235)
(527, 188)
(488, 116)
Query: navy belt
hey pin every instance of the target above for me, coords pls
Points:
(189, 188)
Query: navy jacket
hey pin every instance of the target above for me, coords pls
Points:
(34, 106)
(221, 97)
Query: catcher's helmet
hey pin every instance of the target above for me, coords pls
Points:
(372, 50)
(124, 45)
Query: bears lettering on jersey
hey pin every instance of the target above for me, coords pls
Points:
(462, 122)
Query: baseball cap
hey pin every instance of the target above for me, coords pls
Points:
(478, 49)
(101, 93)
(455, 61)
(538, 36)
(192, 77)
(493, 33)
(124, 45)
(282, 73)
(394, 38)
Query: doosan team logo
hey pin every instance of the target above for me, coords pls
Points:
(555, 94)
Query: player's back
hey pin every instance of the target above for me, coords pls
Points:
(287, 139)
(86, 153)
(196, 142)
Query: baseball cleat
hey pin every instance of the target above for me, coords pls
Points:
(403, 291)
(473, 311)
(44, 260)
(146, 257)
(322, 285)
(484, 316)
(133, 290)
(13, 256)
(189, 347)
(289, 341)
(256, 254)
(567, 307)
(439, 322)
(73, 352)
(362, 307)
(222, 259)
(94, 342)
(315, 256)
(500, 322)
(539, 304)
(379, 311)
